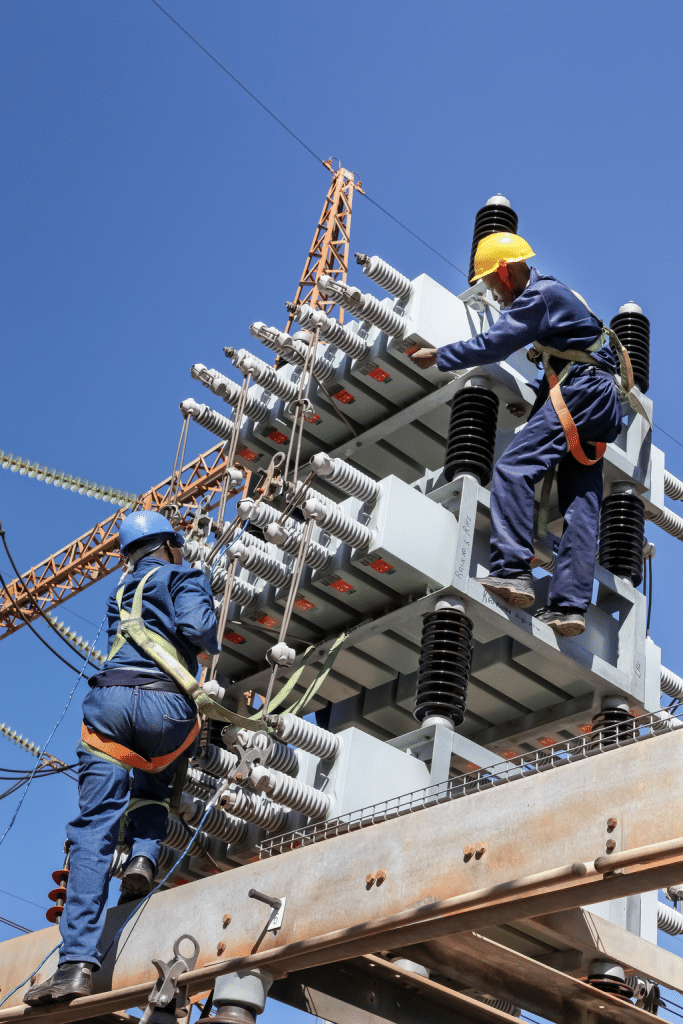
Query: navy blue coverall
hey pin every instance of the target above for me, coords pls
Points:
(126, 705)
(549, 312)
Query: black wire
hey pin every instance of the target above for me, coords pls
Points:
(19, 927)
(35, 632)
(301, 141)
(34, 602)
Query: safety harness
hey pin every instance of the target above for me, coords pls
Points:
(541, 355)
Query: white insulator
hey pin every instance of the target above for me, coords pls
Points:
(307, 736)
(673, 487)
(289, 540)
(217, 823)
(668, 521)
(333, 520)
(674, 892)
(199, 783)
(663, 721)
(254, 807)
(290, 792)
(363, 306)
(118, 861)
(669, 920)
(230, 392)
(166, 858)
(386, 276)
(266, 376)
(261, 564)
(195, 550)
(346, 477)
(216, 760)
(208, 418)
(670, 683)
(310, 494)
(258, 515)
(271, 337)
(281, 654)
(332, 332)
(322, 369)
(242, 592)
(280, 756)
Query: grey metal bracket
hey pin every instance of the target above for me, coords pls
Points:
(166, 987)
(277, 903)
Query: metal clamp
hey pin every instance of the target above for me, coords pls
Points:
(248, 757)
(166, 987)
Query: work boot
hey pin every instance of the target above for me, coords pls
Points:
(564, 623)
(70, 980)
(137, 880)
(517, 591)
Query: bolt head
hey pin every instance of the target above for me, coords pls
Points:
(480, 849)
(370, 879)
(220, 948)
(227, 918)
(468, 850)
(381, 876)
(238, 776)
(611, 844)
(612, 823)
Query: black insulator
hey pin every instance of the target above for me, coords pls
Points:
(496, 216)
(444, 666)
(613, 724)
(622, 535)
(472, 434)
(633, 330)
(613, 985)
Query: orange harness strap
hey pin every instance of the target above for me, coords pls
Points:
(128, 758)
(567, 423)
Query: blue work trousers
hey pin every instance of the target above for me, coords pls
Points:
(152, 723)
(594, 403)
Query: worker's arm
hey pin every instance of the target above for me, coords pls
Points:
(194, 613)
(524, 322)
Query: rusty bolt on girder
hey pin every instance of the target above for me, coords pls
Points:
(220, 948)
(227, 918)
(611, 824)
(474, 850)
(377, 877)
(610, 845)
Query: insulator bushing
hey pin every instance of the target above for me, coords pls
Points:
(178, 836)
(609, 977)
(258, 515)
(254, 807)
(497, 215)
(307, 736)
(309, 494)
(208, 418)
(472, 434)
(444, 666)
(261, 564)
(199, 783)
(613, 722)
(384, 275)
(331, 331)
(667, 520)
(230, 392)
(363, 306)
(345, 476)
(280, 756)
(216, 760)
(673, 487)
(633, 330)
(670, 683)
(266, 376)
(271, 337)
(289, 539)
(242, 593)
(217, 823)
(335, 521)
(290, 792)
(622, 533)
(296, 349)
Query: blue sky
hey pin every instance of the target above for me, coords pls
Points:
(151, 211)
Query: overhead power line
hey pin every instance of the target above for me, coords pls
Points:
(300, 140)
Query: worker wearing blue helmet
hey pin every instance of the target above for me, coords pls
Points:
(135, 717)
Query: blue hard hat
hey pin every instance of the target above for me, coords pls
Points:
(139, 525)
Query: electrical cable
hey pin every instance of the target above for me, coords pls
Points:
(32, 599)
(301, 141)
(34, 971)
(35, 632)
(19, 927)
(14, 896)
(54, 730)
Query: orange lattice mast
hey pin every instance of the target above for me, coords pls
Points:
(329, 252)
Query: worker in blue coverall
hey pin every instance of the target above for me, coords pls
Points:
(132, 706)
(539, 308)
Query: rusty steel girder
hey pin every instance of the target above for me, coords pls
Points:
(95, 554)
(540, 845)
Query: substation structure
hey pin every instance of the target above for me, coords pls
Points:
(481, 819)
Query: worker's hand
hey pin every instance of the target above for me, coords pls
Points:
(517, 410)
(422, 357)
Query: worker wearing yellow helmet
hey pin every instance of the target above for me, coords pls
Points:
(584, 413)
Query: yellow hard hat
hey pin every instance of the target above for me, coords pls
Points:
(496, 248)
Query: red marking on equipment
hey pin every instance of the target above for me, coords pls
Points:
(342, 586)
(413, 348)
(312, 419)
(268, 620)
(509, 754)
(304, 605)
(247, 454)
(379, 374)
(379, 565)
(235, 638)
(278, 437)
(586, 728)
(546, 741)
(344, 397)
